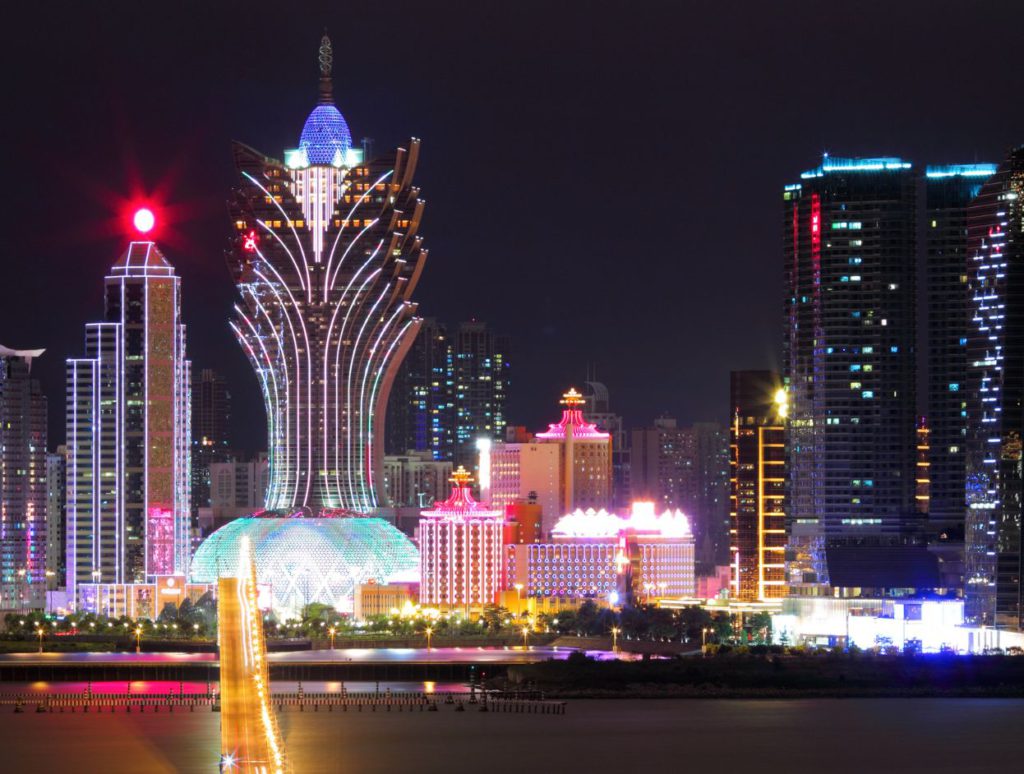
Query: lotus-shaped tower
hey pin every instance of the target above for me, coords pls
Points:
(325, 254)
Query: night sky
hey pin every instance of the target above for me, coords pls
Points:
(602, 179)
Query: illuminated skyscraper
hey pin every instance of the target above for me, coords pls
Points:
(949, 191)
(995, 398)
(326, 256)
(128, 437)
(758, 483)
(481, 387)
(22, 482)
(421, 411)
(450, 392)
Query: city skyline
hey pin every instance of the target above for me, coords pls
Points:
(138, 129)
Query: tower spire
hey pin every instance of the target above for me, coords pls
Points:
(326, 57)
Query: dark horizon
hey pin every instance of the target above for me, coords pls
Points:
(603, 181)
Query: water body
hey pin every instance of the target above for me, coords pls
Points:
(833, 735)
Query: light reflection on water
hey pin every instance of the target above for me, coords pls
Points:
(164, 687)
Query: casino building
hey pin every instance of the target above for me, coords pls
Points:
(325, 254)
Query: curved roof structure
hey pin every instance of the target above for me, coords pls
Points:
(310, 560)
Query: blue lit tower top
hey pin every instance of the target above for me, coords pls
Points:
(325, 137)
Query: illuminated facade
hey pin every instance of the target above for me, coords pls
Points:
(568, 466)
(460, 551)
(949, 191)
(302, 560)
(325, 256)
(23, 480)
(599, 555)
(758, 481)
(849, 353)
(450, 392)
(128, 434)
(995, 399)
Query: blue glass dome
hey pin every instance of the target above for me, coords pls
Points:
(325, 135)
(310, 560)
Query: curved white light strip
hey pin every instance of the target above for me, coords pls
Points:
(305, 261)
(298, 271)
(348, 382)
(352, 244)
(362, 403)
(273, 430)
(269, 403)
(298, 372)
(329, 283)
(348, 499)
(373, 395)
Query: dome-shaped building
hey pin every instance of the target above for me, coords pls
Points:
(303, 561)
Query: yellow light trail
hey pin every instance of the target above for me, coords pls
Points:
(250, 742)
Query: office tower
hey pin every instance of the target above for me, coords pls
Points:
(22, 482)
(849, 244)
(995, 398)
(949, 191)
(481, 370)
(758, 482)
(56, 499)
(211, 442)
(128, 434)
(598, 408)
(568, 466)
(421, 410)
(415, 479)
(460, 551)
(325, 256)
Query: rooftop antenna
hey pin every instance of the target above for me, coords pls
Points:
(326, 57)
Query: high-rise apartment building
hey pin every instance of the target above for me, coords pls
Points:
(56, 502)
(948, 191)
(758, 486)
(237, 488)
(326, 255)
(995, 398)
(566, 467)
(598, 409)
(128, 434)
(849, 354)
(211, 439)
(481, 365)
(415, 479)
(450, 392)
(421, 410)
(664, 466)
(22, 482)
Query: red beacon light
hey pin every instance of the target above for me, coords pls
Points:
(144, 220)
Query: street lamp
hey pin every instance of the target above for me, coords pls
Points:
(39, 632)
(331, 632)
(138, 639)
(526, 635)
(704, 639)
(615, 639)
(429, 633)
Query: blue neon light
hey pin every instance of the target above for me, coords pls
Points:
(837, 164)
(325, 135)
(960, 170)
